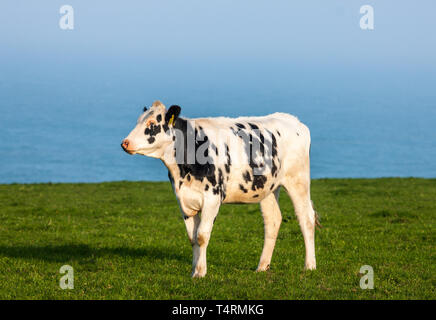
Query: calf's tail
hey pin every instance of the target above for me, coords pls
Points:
(317, 218)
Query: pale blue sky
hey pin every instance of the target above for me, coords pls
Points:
(297, 32)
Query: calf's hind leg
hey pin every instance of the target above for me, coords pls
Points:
(298, 189)
(272, 219)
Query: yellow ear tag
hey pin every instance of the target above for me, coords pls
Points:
(171, 121)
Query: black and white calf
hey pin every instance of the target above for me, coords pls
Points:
(212, 161)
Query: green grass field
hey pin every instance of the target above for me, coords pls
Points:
(127, 240)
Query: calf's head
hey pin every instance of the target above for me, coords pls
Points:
(152, 133)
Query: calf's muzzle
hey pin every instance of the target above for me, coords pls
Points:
(125, 145)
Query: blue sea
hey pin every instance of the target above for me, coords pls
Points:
(63, 119)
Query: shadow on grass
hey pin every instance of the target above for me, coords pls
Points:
(394, 216)
(70, 252)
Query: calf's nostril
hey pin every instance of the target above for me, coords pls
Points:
(125, 143)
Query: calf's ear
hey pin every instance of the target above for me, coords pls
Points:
(172, 114)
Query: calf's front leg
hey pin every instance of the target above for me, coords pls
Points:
(192, 224)
(208, 214)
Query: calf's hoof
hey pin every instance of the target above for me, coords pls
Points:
(262, 268)
(198, 272)
(311, 266)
